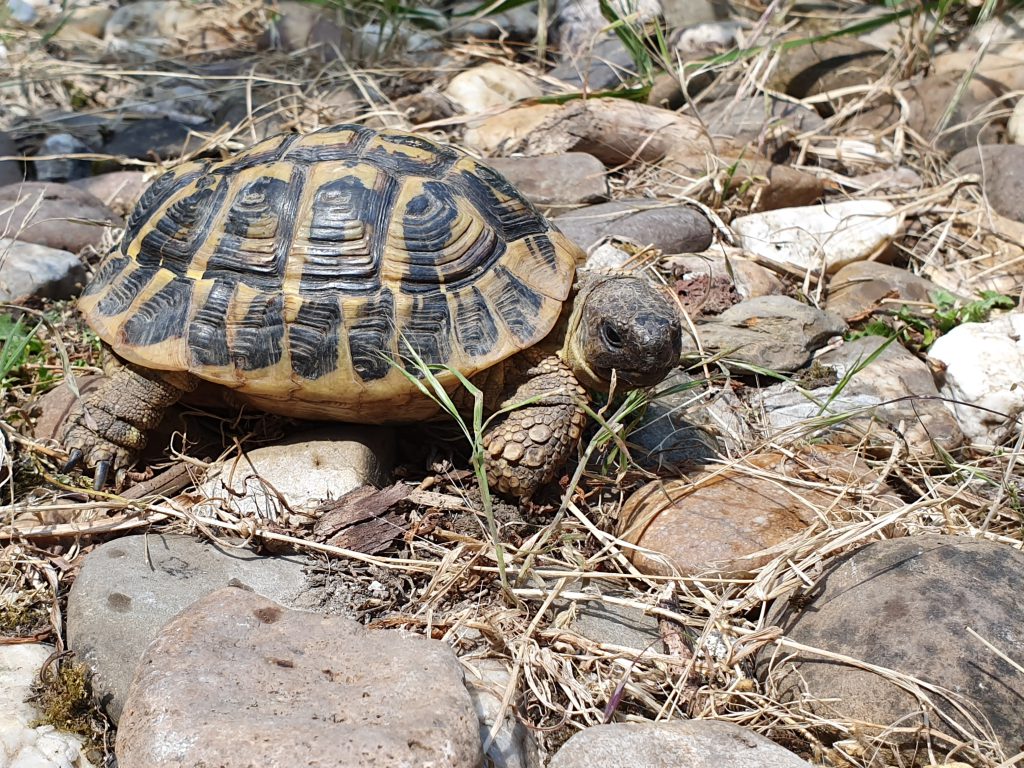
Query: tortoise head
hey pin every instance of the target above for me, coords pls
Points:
(622, 323)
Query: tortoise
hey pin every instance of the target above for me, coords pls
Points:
(309, 274)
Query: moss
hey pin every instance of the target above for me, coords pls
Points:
(64, 698)
(23, 620)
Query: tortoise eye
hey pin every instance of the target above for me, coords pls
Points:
(610, 336)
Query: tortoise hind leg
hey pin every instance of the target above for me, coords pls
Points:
(108, 426)
(530, 445)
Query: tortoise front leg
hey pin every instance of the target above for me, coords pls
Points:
(107, 426)
(530, 445)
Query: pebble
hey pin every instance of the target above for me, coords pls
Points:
(490, 86)
(687, 425)
(605, 66)
(119, 190)
(57, 215)
(614, 624)
(981, 380)
(759, 120)
(710, 282)
(513, 745)
(545, 180)
(819, 237)
(919, 593)
(669, 227)
(129, 588)
(304, 470)
(828, 65)
(312, 28)
(492, 135)
(673, 744)
(23, 743)
(10, 170)
(62, 169)
(868, 287)
(693, 40)
(153, 28)
(30, 271)
(152, 139)
(776, 333)
(725, 523)
(892, 399)
(284, 687)
(518, 23)
(1001, 171)
(582, 25)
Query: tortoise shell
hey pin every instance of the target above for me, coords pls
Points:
(305, 271)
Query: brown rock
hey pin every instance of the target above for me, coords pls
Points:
(996, 263)
(1001, 171)
(864, 288)
(828, 65)
(507, 129)
(672, 228)
(57, 215)
(905, 605)
(119, 190)
(574, 177)
(238, 680)
(725, 522)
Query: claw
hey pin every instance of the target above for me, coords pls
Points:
(100, 478)
(74, 459)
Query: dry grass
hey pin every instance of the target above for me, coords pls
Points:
(445, 570)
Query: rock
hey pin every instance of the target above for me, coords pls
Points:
(904, 604)
(517, 24)
(613, 624)
(283, 687)
(1015, 125)
(758, 120)
(710, 282)
(1001, 171)
(605, 66)
(828, 65)
(669, 227)
(864, 288)
(981, 380)
(513, 745)
(62, 169)
(581, 26)
(673, 744)
(10, 170)
(119, 190)
(996, 262)
(687, 425)
(891, 399)
(490, 86)
(312, 28)
(310, 467)
(149, 29)
(56, 215)
(493, 134)
(574, 177)
(54, 407)
(152, 139)
(129, 588)
(725, 523)
(29, 271)
(23, 742)
(700, 40)
(768, 332)
(819, 237)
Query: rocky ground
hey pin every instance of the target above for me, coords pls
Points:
(804, 548)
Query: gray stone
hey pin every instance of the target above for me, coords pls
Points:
(152, 139)
(865, 287)
(59, 168)
(237, 680)
(613, 624)
(669, 227)
(905, 605)
(10, 170)
(56, 215)
(896, 388)
(768, 332)
(1001, 168)
(673, 744)
(574, 177)
(607, 65)
(129, 588)
(513, 745)
(28, 270)
(308, 468)
(518, 23)
(119, 190)
(757, 119)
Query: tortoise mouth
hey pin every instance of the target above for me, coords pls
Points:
(630, 379)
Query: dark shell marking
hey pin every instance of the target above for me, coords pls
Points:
(338, 252)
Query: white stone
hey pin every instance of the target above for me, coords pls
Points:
(32, 270)
(21, 744)
(819, 237)
(309, 468)
(982, 379)
(490, 86)
(1015, 128)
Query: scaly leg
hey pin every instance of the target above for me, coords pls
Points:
(107, 427)
(530, 445)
